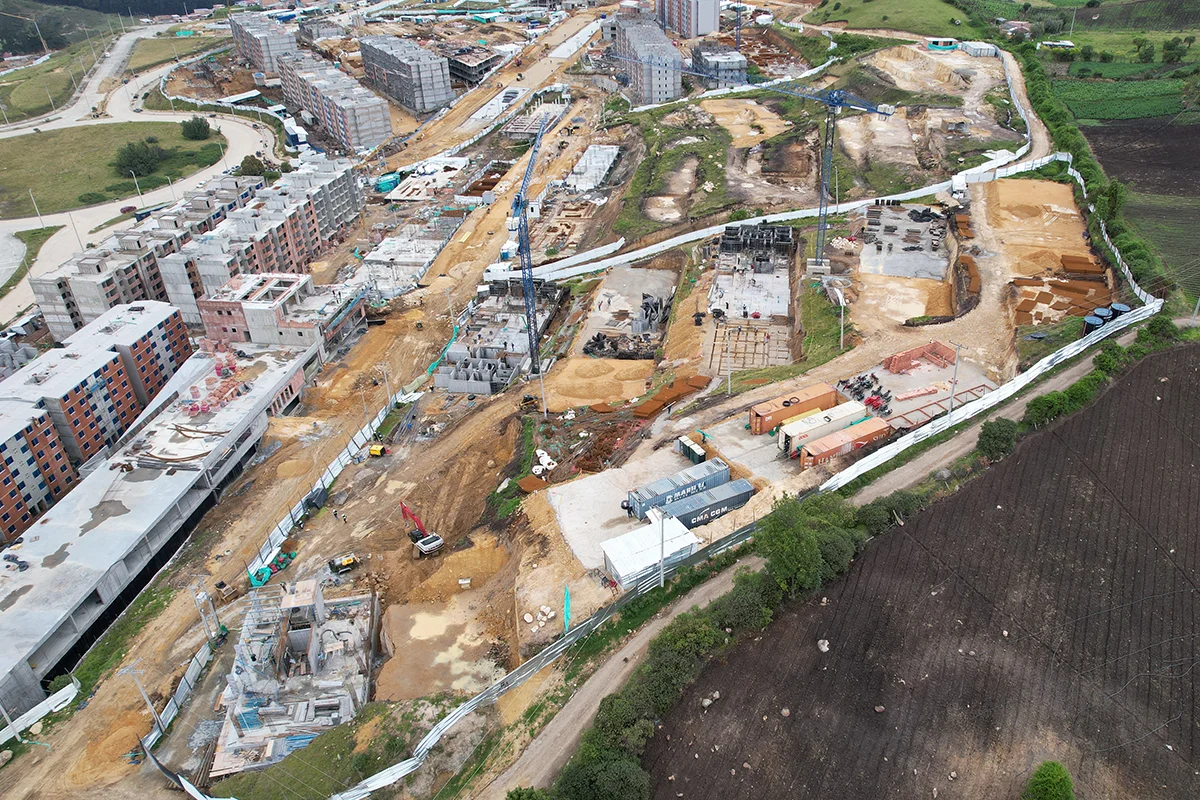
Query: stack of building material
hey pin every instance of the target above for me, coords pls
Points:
(1047, 300)
(1081, 265)
(674, 391)
(962, 225)
(972, 270)
(935, 352)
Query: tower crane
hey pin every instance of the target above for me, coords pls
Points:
(834, 100)
(520, 215)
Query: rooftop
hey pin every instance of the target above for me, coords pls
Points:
(79, 541)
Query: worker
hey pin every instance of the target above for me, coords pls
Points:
(335, 516)
(345, 519)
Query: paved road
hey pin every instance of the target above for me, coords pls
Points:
(549, 751)
(242, 139)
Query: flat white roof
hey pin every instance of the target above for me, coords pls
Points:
(107, 515)
(634, 551)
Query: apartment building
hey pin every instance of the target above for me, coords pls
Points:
(124, 268)
(231, 226)
(724, 66)
(35, 470)
(261, 40)
(657, 78)
(414, 77)
(73, 402)
(354, 117)
(469, 63)
(690, 18)
(276, 308)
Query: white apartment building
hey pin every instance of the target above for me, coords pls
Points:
(657, 77)
(353, 116)
(261, 40)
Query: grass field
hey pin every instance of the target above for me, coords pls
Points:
(1120, 43)
(1121, 100)
(1172, 226)
(1123, 69)
(925, 17)
(152, 52)
(28, 92)
(33, 240)
(61, 165)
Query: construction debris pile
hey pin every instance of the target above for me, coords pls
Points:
(632, 338)
(300, 667)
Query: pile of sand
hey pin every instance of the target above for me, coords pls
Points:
(582, 381)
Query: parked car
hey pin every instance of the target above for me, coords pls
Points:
(128, 209)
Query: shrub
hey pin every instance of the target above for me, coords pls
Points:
(997, 438)
(875, 517)
(196, 128)
(252, 166)
(604, 780)
(837, 550)
(1042, 409)
(1163, 327)
(750, 605)
(527, 794)
(793, 558)
(139, 158)
(1051, 781)
(91, 198)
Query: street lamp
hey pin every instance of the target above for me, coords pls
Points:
(138, 187)
(954, 380)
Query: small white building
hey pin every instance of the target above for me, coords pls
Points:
(628, 558)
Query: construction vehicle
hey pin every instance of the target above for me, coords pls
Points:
(424, 542)
(377, 450)
(340, 565)
(529, 403)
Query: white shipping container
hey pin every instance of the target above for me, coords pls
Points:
(796, 434)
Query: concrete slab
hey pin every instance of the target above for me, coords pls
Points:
(758, 454)
(741, 295)
(622, 290)
(898, 263)
(916, 411)
(589, 509)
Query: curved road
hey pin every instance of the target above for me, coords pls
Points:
(242, 140)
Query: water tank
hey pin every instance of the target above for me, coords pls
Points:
(1105, 314)
(1091, 323)
(1119, 309)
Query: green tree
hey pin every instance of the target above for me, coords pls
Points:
(1106, 57)
(1189, 41)
(527, 794)
(997, 438)
(140, 158)
(622, 779)
(1051, 781)
(196, 128)
(1146, 53)
(790, 547)
(252, 166)
(286, 167)
(1087, 52)
(1115, 195)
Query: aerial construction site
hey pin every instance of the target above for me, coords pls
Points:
(361, 478)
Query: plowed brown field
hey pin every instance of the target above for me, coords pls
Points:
(1047, 611)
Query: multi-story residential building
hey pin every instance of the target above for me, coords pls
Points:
(274, 308)
(261, 40)
(656, 77)
(414, 77)
(353, 116)
(76, 401)
(195, 246)
(35, 470)
(690, 18)
(724, 66)
(469, 63)
(124, 268)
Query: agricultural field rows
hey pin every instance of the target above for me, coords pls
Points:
(1122, 99)
(1046, 611)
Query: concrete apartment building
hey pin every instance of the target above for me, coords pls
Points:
(469, 63)
(124, 268)
(690, 18)
(231, 226)
(76, 401)
(659, 80)
(412, 76)
(274, 308)
(725, 66)
(261, 40)
(354, 117)
(116, 527)
(321, 28)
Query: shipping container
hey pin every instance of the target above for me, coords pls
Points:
(703, 508)
(766, 416)
(841, 442)
(686, 483)
(794, 435)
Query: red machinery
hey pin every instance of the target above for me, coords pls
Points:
(424, 542)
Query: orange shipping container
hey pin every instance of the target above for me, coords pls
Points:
(844, 441)
(765, 416)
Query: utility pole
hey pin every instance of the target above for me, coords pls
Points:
(1073, 13)
(9, 723)
(842, 325)
(362, 390)
(77, 238)
(450, 305)
(728, 366)
(171, 184)
(35, 209)
(4, 111)
(954, 380)
(133, 673)
(137, 186)
(387, 384)
(204, 605)
(662, 549)
(48, 97)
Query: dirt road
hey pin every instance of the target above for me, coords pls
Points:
(546, 755)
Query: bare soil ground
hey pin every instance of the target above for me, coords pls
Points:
(1079, 648)
(748, 122)
(583, 380)
(1149, 155)
(1036, 222)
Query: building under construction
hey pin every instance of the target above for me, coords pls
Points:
(764, 247)
(494, 347)
(301, 666)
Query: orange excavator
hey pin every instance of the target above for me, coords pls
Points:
(424, 542)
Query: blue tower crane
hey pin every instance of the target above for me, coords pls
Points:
(520, 213)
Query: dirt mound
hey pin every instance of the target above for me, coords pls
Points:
(582, 381)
